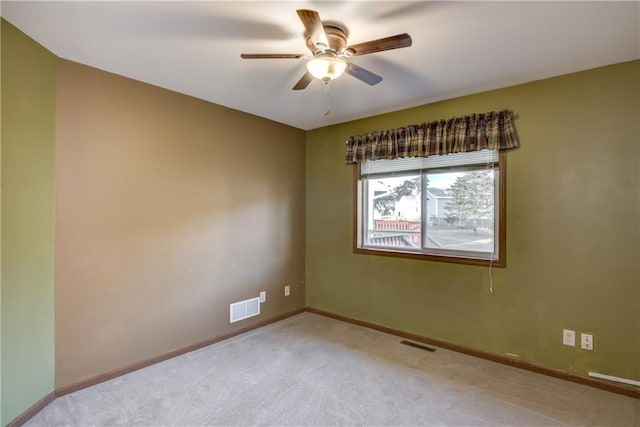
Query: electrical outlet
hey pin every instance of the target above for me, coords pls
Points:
(569, 337)
(263, 296)
(287, 290)
(586, 341)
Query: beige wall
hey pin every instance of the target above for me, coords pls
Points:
(169, 208)
(573, 231)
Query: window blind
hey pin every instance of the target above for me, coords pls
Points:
(413, 165)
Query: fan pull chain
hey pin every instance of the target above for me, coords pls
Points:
(327, 110)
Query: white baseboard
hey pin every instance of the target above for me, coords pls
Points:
(616, 379)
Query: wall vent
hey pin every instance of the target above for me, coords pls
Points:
(244, 309)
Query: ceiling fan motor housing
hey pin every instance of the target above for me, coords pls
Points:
(337, 38)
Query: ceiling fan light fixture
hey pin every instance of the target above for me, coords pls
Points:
(326, 68)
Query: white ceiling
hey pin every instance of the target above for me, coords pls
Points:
(458, 48)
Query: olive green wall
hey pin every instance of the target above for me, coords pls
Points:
(573, 197)
(28, 139)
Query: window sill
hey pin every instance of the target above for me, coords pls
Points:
(500, 263)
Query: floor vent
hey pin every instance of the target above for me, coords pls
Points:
(244, 309)
(416, 345)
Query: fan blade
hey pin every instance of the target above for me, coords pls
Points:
(387, 43)
(364, 75)
(304, 81)
(272, 55)
(313, 24)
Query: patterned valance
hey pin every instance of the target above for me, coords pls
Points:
(474, 132)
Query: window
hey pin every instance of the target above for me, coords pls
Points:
(449, 208)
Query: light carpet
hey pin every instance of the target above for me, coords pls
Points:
(312, 370)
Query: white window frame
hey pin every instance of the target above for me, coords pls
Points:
(414, 166)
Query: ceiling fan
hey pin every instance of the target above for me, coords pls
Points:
(328, 44)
